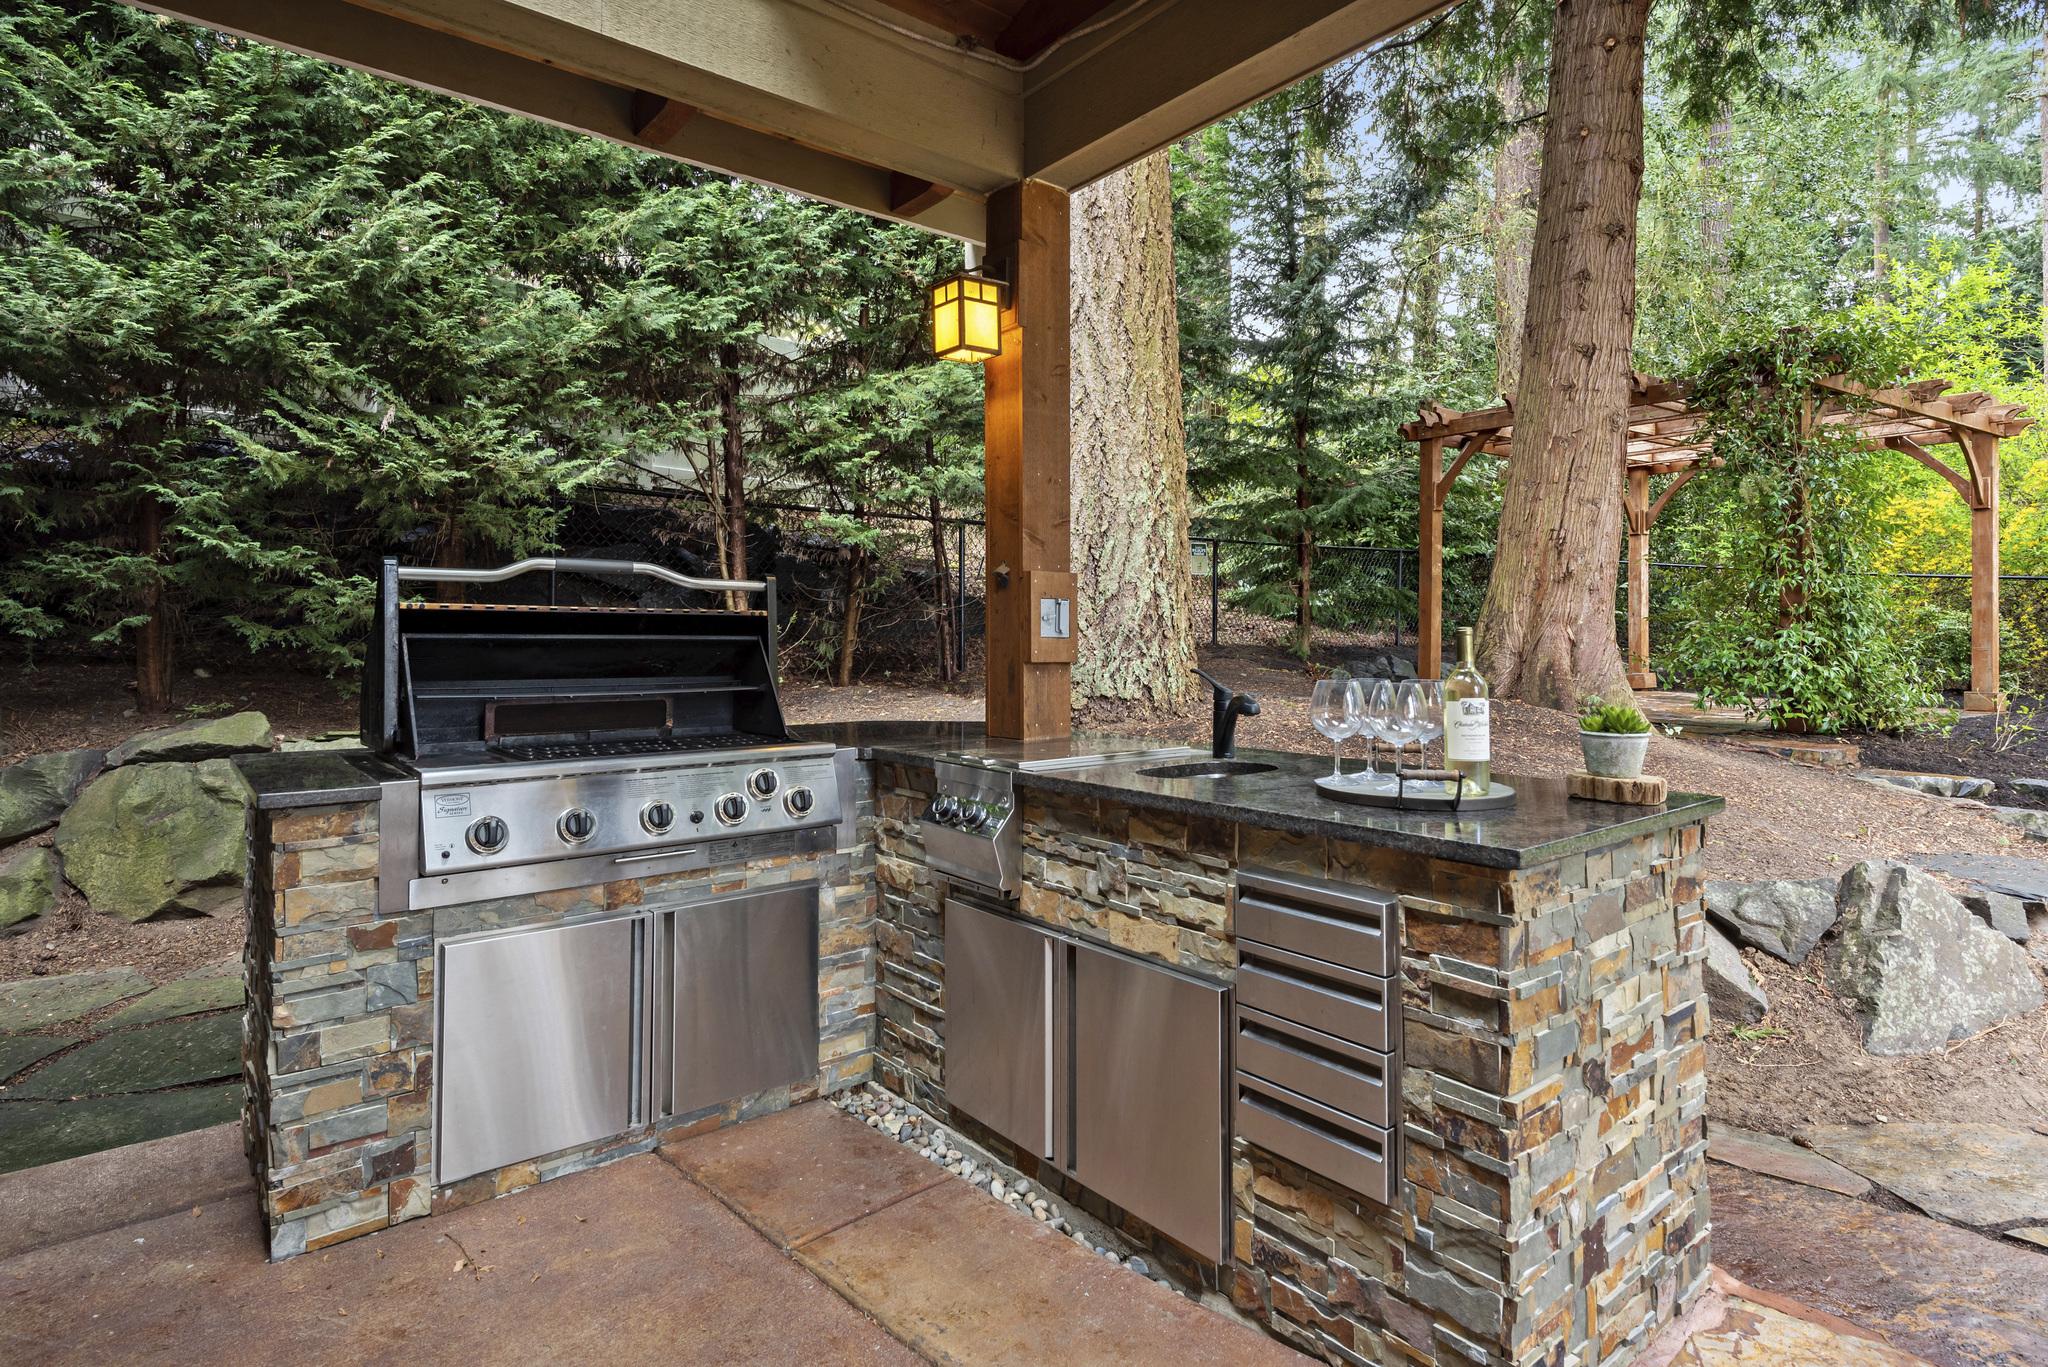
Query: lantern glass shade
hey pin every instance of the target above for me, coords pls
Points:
(967, 318)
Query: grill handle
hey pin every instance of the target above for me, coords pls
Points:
(431, 574)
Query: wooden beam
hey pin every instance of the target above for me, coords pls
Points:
(1906, 401)
(1429, 564)
(1683, 478)
(1982, 452)
(657, 119)
(1636, 500)
(1476, 442)
(1906, 446)
(1040, 23)
(1027, 462)
(910, 197)
(434, 59)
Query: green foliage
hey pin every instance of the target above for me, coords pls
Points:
(1613, 718)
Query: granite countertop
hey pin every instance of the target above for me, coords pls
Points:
(1543, 824)
(315, 778)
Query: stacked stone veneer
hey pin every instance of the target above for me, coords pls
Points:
(1552, 1205)
(338, 1044)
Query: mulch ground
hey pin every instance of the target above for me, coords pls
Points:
(1976, 747)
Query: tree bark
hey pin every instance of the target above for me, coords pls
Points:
(1546, 632)
(943, 586)
(849, 620)
(1133, 619)
(733, 454)
(153, 670)
(1515, 171)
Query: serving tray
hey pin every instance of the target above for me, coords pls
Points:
(1413, 792)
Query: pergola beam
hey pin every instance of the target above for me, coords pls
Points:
(1905, 400)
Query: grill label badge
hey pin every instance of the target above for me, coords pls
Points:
(451, 805)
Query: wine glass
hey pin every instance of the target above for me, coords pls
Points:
(1432, 691)
(1333, 709)
(1379, 712)
(1405, 724)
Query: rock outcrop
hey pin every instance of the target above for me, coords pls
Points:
(1733, 997)
(1918, 968)
(1780, 917)
(243, 733)
(154, 838)
(35, 792)
(28, 886)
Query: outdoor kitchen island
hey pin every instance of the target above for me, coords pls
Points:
(1407, 1088)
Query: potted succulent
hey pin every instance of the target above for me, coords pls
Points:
(1614, 738)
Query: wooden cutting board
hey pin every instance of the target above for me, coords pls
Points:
(1646, 791)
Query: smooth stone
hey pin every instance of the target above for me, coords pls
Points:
(2013, 875)
(35, 792)
(2006, 915)
(1984, 1175)
(155, 838)
(210, 989)
(36, 1132)
(27, 1003)
(242, 733)
(2033, 1234)
(1781, 1158)
(1783, 918)
(2033, 823)
(19, 1051)
(28, 885)
(1917, 967)
(1733, 997)
(167, 1054)
(2032, 787)
(1933, 785)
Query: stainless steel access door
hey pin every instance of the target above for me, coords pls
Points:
(536, 1047)
(999, 1023)
(1149, 1126)
(745, 988)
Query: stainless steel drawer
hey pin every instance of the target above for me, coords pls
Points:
(1359, 1082)
(1314, 992)
(1324, 920)
(1337, 1146)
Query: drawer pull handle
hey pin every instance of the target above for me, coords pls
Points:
(1303, 1049)
(1281, 1111)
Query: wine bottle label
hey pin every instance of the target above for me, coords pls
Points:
(1467, 730)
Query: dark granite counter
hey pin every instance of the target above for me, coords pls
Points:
(314, 778)
(1544, 823)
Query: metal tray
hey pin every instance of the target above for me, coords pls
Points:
(1414, 795)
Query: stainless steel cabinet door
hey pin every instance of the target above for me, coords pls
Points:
(1148, 1094)
(535, 1047)
(746, 995)
(999, 1024)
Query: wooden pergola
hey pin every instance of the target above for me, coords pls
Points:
(973, 118)
(1667, 435)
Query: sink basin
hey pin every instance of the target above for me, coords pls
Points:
(1210, 768)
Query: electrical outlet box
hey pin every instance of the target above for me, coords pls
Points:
(1049, 601)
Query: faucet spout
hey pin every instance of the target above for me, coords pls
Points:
(1225, 707)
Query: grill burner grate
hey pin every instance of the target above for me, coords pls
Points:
(650, 745)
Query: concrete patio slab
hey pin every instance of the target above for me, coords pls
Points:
(1775, 1157)
(963, 1278)
(115, 1187)
(1956, 1298)
(803, 1172)
(629, 1264)
(1984, 1175)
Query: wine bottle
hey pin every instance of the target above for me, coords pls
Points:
(1468, 721)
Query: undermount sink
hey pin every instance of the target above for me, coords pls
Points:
(1210, 768)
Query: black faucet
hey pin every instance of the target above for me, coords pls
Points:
(1225, 707)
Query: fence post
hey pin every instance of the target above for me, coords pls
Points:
(960, 600)
(1400, 583)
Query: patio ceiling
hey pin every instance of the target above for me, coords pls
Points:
(910, 109)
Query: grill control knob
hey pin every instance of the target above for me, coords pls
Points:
(945, 809)
(798, 801)
(977, 818)
(731, 809)
(576, 825)
(657, 817)
(487, 835)
(762, 782)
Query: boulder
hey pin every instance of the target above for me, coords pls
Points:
(154, 838)
(1733, 997)
(1933, 785)
(208, 738)
(1917, 967)
(1780, 917)
(28, 886)
(2006, 915)
(2033, 823)
(2032, 787)
(35, 792)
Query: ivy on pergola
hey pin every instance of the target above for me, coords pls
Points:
(1667, 435)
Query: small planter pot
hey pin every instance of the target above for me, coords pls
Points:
(1611, 755)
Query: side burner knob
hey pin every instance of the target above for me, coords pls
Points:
(762, 782)
(487, 835)
(576, 825)
(798, 801)
(657, 817)
(731, 809)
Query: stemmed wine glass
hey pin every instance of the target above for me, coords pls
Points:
(1379, 712)
(1404, 723)
(1432, 713)
(1335, 710)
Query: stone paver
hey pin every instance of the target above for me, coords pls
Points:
(27, 1003)
(629, 1264)
(1733, 1325)
(1775, 1157)
(19, 1051)
(37, 1132)
(1985, 1175)
(99, 1191)
(166, 1054)
(1956, 1298)
(2026, 879)
(2033, 1234)
(210, 989)
(804, 1171)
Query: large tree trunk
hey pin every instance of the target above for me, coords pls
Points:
(1515, 171)
(1133, 620)
(733, 452)
(849, 622)
(153, 637)
(1546, 633)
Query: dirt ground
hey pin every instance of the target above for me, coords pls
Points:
(1783, 821)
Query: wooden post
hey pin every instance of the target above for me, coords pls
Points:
(1638, 496)
(1429, 565)
(1026, 447)
(1981, 451)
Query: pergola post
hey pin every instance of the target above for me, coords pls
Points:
(1429, 565)
(1026, 454)
(1638, 506)
(1981, 451)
